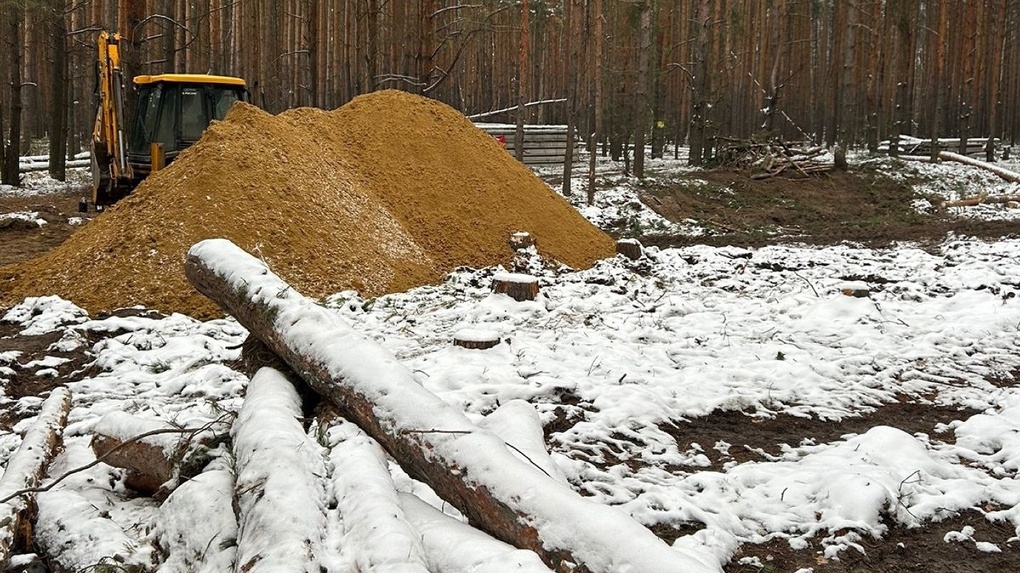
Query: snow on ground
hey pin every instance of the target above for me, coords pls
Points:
(40, 183)
(635, 345)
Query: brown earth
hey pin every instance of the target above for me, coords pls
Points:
(389, 192)
(861, 207)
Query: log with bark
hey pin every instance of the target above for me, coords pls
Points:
(469, 467)
(149, 461)
(368, 500)
(982, 199)
(280, 487)
(1011, 176)
(25, 470)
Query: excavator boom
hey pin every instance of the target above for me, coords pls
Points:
(111, 171)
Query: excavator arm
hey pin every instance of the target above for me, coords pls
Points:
(111, 172)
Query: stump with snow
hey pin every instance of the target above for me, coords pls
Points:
(521, 240)
(517, 286)
(630, 248)
(475, 338)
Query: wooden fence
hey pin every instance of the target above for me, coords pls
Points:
(543, 144)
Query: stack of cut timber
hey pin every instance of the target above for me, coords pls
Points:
(772, 158)
(543, 144)
(922, 147)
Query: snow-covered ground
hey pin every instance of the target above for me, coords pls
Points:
(637, 345)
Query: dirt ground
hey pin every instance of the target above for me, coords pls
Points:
(861, 207)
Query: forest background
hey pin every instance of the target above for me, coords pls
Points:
(628, 73)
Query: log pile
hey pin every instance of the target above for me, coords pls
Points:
(762, 160)
(25, 470)
(470, 467)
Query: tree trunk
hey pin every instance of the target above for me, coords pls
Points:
(699, 85)
(435, 443)
(641, 122)
(13, 16)
(1011, 176)
(25, 470)
(596, 136)
(58, 115)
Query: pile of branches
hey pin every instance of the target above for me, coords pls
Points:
(762, 160)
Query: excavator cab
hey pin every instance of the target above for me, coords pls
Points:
(171, 113)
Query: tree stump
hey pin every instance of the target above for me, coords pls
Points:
(475, 338)
(521, 240)
(855, 289)
(630, 248)
(517, 286)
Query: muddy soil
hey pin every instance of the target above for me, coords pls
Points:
(863, 208)
(22, 240)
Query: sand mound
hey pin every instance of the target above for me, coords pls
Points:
(388, 192)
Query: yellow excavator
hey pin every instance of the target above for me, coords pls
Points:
(172, 111)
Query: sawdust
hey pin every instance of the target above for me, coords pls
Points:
(388, 192)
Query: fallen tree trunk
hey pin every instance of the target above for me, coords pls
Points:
(1011, 176)
(972, 201)
(281, 497)
(469, 467)
(26, 468)
(375, 527)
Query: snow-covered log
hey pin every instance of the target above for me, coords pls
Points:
(26, 468)
(1011, 176)
(280, 489)
(456, 547)
(469, 467)
(375, 528)
(196, 529)
(149, 461)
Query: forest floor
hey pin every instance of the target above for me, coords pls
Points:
(864, 207)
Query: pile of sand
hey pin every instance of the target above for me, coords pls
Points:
(388, 192)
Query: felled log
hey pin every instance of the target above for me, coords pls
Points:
(149, 461)
(470, 468)
(375, 526)
(972, 201)
(196, 528)
(280, 490)
(1011, 176)
(517, 286)
(452, 545)
(25, 470)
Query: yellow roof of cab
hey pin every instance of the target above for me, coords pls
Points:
(190, 79)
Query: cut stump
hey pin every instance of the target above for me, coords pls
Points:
(475, 338)
(630, 248)
(517, 286)
(521, 240)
